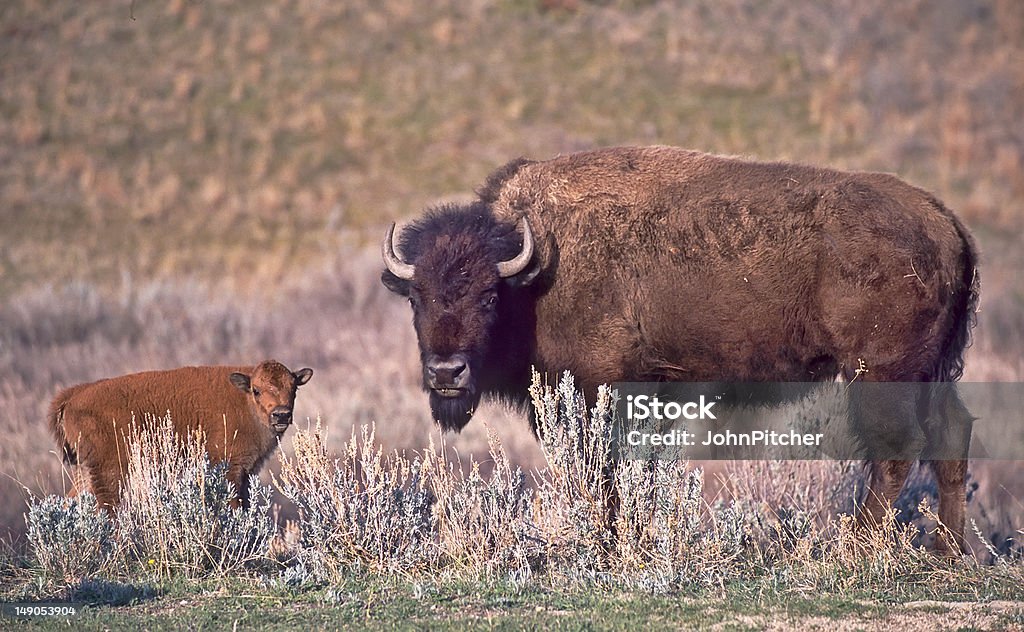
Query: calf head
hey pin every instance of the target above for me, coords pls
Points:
(271, 388)
(460, 264)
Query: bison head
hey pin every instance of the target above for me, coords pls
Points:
(460, 270)
(272, 388)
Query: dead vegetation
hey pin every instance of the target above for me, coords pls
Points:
(196, 135)
(369, 512)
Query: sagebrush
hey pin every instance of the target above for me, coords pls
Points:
(367, 512)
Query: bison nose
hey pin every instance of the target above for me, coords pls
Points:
(281, 415)
(451, 373)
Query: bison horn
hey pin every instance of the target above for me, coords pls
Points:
(396, 266)
(513, 267)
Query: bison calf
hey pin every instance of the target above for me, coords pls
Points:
(242, 412)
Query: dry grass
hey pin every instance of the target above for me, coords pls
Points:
(375, 513)
(229, 140)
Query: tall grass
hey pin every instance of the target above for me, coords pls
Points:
(371, 512)
(213, 140)
(174, 520)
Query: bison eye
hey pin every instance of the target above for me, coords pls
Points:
(414, 298)
(255, 392)
(489, 299)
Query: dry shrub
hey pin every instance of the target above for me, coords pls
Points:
(70, 538)
(483, 523)
(386, 513)
(642, 522)
(364, 510)
(593, 517)
(174, 519)
(576, 488)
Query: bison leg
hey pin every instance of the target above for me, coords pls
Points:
(886, 420)
(105, 487)
(239, 477)
(950, 426)
(952, 479)
(884, 485)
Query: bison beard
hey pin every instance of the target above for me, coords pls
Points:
(453, 413)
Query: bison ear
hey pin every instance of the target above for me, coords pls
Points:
(302, 376)
(525, 277)
(393, 283)
(241, 381)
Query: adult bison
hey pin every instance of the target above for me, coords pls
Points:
(662, 264)
(242, 411)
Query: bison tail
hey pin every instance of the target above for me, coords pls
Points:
(963, 316)
(56, 419)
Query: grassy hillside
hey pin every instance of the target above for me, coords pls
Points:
(190, 182)
(230, 140)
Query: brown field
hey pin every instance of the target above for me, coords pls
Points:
(196, 182)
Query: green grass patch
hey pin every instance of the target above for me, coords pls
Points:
(374, 603)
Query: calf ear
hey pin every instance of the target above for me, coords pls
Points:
(241, 380)
(302, 376)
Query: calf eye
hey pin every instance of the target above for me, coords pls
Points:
(255, 392)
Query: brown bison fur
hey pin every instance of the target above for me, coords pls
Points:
(662, 264)
(241, 410)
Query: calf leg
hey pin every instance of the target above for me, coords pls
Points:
(106, 488)
(239, 477)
